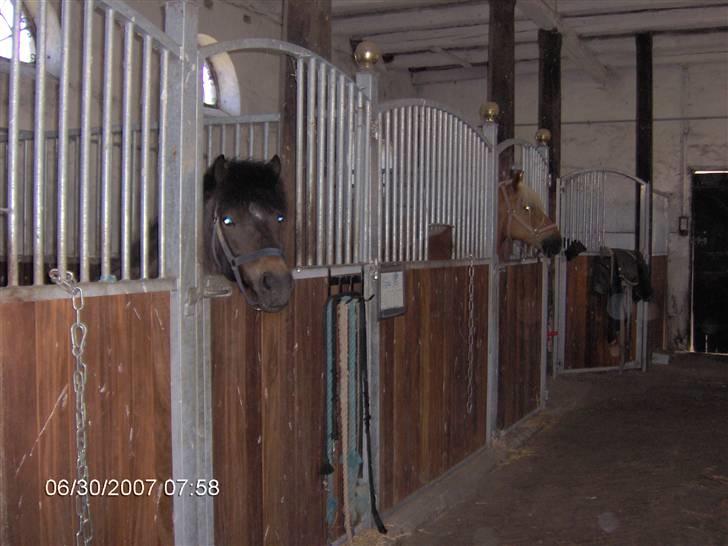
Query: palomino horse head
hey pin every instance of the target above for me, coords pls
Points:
(244, 208)
(521, 217)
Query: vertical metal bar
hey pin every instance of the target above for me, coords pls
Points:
(402, 210)
(408, 207)
(416, 175)
(350, 133)
(321, 158)
(237, 138)
(145, 182)
(421, 188)
(427, 182)
(340, 128)
(251, 140)
(388, 171)
(62, 155)
(299, 212)
(330, 166)
(450, 166)
(308, 235)
(86, 82)
(162, 161)
(460, 191)
(367, 201)
(107, 145)
(13, 201)
(266, 138)
(223, 138)
(39, 149)
(209, 128)
(127, 152)
(440, 173)
(359, 178)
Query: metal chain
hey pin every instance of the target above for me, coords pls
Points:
(66, 281)
(471, 332)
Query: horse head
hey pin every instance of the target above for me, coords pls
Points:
(244, 208)
(521, 217)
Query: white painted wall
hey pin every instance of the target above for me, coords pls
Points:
(598, 130)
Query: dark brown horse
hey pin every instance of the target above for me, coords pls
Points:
(244, 209)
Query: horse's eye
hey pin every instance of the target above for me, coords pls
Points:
(227, 220)
(527, 208)
(280, 218)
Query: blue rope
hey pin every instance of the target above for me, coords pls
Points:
(353, 458)
(331, 504)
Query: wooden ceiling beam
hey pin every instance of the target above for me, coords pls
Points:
(455, 56)
(546, 18)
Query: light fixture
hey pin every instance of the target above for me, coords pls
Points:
(712, 171)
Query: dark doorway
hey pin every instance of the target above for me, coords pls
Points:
(710, 262)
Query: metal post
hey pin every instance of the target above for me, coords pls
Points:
(190, 378)
(490, 131)
(39, 209)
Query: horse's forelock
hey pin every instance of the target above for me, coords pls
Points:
(529, 196)
(251, 182)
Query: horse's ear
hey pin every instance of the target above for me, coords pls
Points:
(219, 169)
(275, 165)
(517, 178)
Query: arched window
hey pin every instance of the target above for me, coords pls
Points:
(27, 39)
(210, 92)
(220, 87)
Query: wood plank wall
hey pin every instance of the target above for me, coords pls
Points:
(519, 359)
(586, 343)
(268, 411)
(425, 428)
(129, 437)
(657, 326)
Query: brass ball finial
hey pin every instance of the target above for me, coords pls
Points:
(489, 111)
(543, 136)
(367, 54)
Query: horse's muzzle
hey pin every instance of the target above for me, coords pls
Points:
(273, 289)
(551, 246)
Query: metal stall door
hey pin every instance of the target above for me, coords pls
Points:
(436, 223)
(523, 302)
(599, 208)
(268, 369)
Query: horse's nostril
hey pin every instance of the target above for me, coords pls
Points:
(268, 280)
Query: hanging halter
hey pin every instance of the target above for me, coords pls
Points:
(511, 212)
(234, 261)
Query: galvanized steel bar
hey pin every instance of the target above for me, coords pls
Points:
(330, 166)
(107, 144)
(414, 210)
(162, 162)
(441, 166)
(427, 182)
(236, 142)
(350, 155)
(13, 196)
(39, 151)
(379, 182)
(307, 236)
(251, 141)
(145, 185)
(266, 139)
(223, 138)
(300, 211)
(421, 188)
(62, 155)
(401, 210)
(388, 185)
(450, 175)
(127, 153)
(362, 140)
(407, 239)
(85, 175)
(367, 204)
(320, 167)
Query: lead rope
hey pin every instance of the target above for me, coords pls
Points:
(471, 332)
(342, 320)
(79, 330)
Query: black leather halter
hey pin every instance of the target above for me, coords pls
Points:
(236, 260)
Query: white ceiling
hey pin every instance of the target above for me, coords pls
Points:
(440, 40)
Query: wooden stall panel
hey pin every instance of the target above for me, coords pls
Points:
(657, 314)
(128, 401)
(268, 412)
(519, 366)
(586, 344)
(425, 428)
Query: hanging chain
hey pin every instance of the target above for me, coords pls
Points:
(79, 330)
(471, 332)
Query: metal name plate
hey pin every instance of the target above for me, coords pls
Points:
(391, 294)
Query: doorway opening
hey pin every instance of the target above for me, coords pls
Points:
(709, 245)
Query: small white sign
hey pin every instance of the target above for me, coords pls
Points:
(391, 293)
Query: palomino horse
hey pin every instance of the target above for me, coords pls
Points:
(521, 217)
(244, 209)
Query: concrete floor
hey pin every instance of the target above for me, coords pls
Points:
(631, 459)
